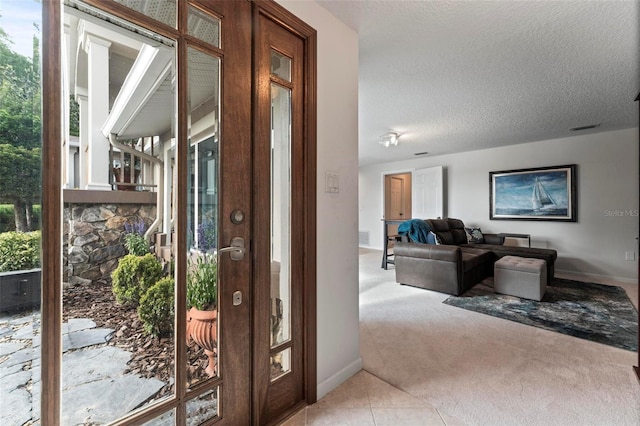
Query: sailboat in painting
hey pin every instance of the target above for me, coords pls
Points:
(540, 199)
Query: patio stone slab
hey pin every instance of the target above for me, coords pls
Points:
(105, 400)
(90, 365)
(19, 319)
(20, 357)
(5, 331)
(7, 348)
(12, 408)
(77, 324)
(6, 370)
(23, 333)
(36, 396)
(84, 338)
(95, 388)
(13, 382)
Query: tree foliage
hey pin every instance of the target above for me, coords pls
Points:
(20, 182)
(20, 139)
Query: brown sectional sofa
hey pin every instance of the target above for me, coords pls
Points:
(454, 265)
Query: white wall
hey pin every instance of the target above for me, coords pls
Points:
(607, 179)
(337, 214)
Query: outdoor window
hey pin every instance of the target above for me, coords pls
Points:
(20, 212)
(118, 311)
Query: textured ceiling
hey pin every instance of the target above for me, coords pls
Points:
(453, 76)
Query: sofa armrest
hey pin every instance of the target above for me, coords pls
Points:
(428, 251)
(430, 266)
(493, 239)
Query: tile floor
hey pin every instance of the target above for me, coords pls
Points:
(365, 400)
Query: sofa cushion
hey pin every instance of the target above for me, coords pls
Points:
(537, 253)
(474, 235)
(450, 231)
(474, 257)
(433, 238)
(456, 227)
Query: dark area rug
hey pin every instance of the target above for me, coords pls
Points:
(596, 312)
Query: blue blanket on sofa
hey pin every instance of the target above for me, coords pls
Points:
(416, 229)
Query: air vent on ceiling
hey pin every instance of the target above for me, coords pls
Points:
(421, 153)
(587, 127)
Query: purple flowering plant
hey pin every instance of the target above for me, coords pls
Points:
(134, 239)
(207, 236)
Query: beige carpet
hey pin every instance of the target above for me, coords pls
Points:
(489, 371)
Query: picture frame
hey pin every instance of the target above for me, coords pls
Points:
(543, 193)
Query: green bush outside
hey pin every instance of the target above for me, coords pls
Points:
(7, 219)
(156, 308)
(136, 244)
(19, 251)
(134, 276)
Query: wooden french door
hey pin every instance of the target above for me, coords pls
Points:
(222, 111)
(284, 193)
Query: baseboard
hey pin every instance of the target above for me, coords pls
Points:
(583, 276)
(339, 378)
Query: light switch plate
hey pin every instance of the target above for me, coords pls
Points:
(332, 183)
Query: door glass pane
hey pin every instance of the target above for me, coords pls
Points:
(280, 215)
(161, 10)
(166, 419)
(20, 198)
(280, 364)
(118, 284)
(280, 66)
(202, 216)
(202, 408)
(204, 27)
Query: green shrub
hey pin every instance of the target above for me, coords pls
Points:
(134, 276)
(136, 244)
(156, 308)
(19, 251)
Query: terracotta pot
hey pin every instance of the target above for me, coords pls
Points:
(126, 178)
(202, 327)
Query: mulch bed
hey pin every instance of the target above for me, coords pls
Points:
(151, 357)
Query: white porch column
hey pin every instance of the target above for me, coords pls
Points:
(67, 159)
(83, 150)
(98, 110)
(167, 154)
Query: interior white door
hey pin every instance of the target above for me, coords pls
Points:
(427, 193)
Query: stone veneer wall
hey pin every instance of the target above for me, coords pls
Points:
(94, 238)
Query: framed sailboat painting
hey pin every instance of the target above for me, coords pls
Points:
(544, 193)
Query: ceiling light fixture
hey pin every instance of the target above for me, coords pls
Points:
(389, 139)
(587, 127)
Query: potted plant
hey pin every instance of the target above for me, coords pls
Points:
(123, 175)
(202, 298)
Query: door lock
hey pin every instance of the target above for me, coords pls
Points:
(237, 298)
